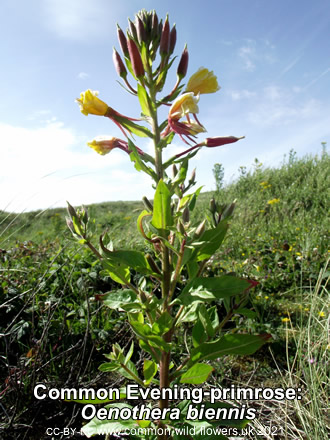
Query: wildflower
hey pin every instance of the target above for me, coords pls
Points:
(203, 81)
(285, 319)
(103, 145)
(321, 314)
(266, 297)
(273, 201)
(312, 361)
(90, 104)
(183, 105)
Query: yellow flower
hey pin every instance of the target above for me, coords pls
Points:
(90, 104)
(285, 319)
(321, 314)
(273, 201)
(184, 104)
(103, 145)
(203, 81)
(194, 128)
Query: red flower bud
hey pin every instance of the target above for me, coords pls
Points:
(122, 41)
(133, 30)
(165, 38)
(222, 140)
(135, 57)
(154, 25)
(172, 39)
(183, 64)
(119, 65)
(141, 32)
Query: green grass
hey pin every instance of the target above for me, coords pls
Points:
(54, 328)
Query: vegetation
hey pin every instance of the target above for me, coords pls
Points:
(54, 327)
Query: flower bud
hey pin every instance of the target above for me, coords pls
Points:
(72, 212)
(84, 214)
(135, 58)
(221, 140)
(185, 215)
(172, 39)
(192, 177)
(69, 223)
(165, 38)
(183, 64)
(141, 32)
(180, 227)
(154, 25)
(119, 65)
(213, 206)
(153, 264)
(132, 30)
(229, 210)
(122, 41)
(147, 203)
(200, 229)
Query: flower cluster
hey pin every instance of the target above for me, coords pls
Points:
(146, 37)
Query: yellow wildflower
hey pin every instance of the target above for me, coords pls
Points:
(203, 81)
(103, 145)
(285, 319)
(90, 104)
(273, 201)
(321, 314)
(184, 104)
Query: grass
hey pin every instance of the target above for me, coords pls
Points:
(54, 328)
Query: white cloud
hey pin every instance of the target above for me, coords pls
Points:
(82, 75)
(255, 52)
(248, 54)
(47, 165)
(80, 19)
(237, 95)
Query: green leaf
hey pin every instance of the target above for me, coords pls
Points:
(209, 242)
(162, 217)
(145, 332)
(214, 317)
(129, 354)
(122, 299)
(209, 289)
(163, 324)
(96, 426)
(143, 99)
(151, 350)
(117, 271)
(138, 161)
(197, 374)
(205, 320)
(229, 344)
(198, 334)
(134, 128)
(246, 312)
(109, 366)
(149, 370)
(182, 173)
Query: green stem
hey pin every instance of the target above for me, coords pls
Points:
(165, 257)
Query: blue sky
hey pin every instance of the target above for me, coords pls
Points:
(271, 59)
